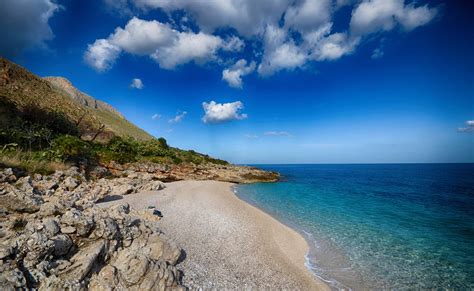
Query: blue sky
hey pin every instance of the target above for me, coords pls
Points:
(300, 81)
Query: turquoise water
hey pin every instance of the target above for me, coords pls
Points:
(406, 226)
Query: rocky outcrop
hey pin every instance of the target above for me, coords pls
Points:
(189, 171)
(54, 237)
(80, 97)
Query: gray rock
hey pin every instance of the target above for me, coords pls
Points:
(70, 183)
(68, 229)
(83, 261)
(51, 226)
(123, 189)
(82, 223)
(62, 245)
(66, 242)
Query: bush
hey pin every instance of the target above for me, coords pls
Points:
(67, 148)
(123, 150)
(163, 143)
(153, 148)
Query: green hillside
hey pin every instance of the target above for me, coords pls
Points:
(27, 91)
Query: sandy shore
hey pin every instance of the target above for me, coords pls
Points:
(228, 243)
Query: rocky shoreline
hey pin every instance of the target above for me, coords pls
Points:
(54, 236)
(172, 173)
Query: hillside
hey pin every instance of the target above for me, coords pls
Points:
(93, 118)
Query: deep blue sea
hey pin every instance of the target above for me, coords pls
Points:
(396, 226)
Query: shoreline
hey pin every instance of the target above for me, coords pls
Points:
(228, 242)
(309, 265)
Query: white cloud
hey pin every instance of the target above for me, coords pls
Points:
(277, 133)
(251, 136)
(156, 116)
(198, 47)
(468, 128)
(101, 55)
(233, 75)
(334, 46)
(222, 112)
(136, 84)
(281, 53)
(178, 118)
(25, 24)
(160, 41)
(283, 34)
(378, 15)
(308, 15)
(248, 17)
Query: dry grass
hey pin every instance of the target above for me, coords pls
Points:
(26, 161)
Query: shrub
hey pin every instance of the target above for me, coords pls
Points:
(123, 150)
(67, 148)
(163, 143)
(153, 148)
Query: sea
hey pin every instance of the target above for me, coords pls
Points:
(378, 226)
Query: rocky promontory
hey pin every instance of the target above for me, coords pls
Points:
(189, 171)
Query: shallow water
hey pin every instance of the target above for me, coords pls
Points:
(398, 226)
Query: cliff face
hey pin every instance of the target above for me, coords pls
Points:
(80, 97)
(27, 91)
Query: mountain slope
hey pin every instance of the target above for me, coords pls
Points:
(93, 118)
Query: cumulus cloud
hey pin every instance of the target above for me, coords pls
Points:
(468, 128)
(136, 84)
(25, 24)
(378, 15)
(277, 133)
(178, 118)
(156, 116)
(248, 17)
(101, 55)
(284, 34)
(167, 46)
(222, 112)
(233, 75)
(280, 52)
(333, 47)
(308, 15)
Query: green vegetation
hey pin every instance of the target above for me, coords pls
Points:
(43, 128)
(42, 142)
(27, 91)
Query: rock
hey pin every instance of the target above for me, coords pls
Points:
(152, 186)
(5, 251)
(62, 244)
(83, 261)
(82, 223)
(70, 183)
(68, 229)
(11, 278)
(54, 237)
(122, 189)
(23, 200)
(51, 226)
(7, 175)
